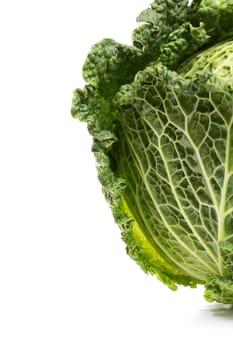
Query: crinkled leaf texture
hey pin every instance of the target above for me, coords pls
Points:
(161, 116)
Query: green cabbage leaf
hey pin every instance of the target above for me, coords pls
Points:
(161, 116)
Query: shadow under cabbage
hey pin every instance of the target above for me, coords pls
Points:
(220, 310)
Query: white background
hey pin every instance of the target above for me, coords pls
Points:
(65, 280)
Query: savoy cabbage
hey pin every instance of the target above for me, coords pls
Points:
(161, 115)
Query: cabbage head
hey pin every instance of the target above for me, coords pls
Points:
(160, 112)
